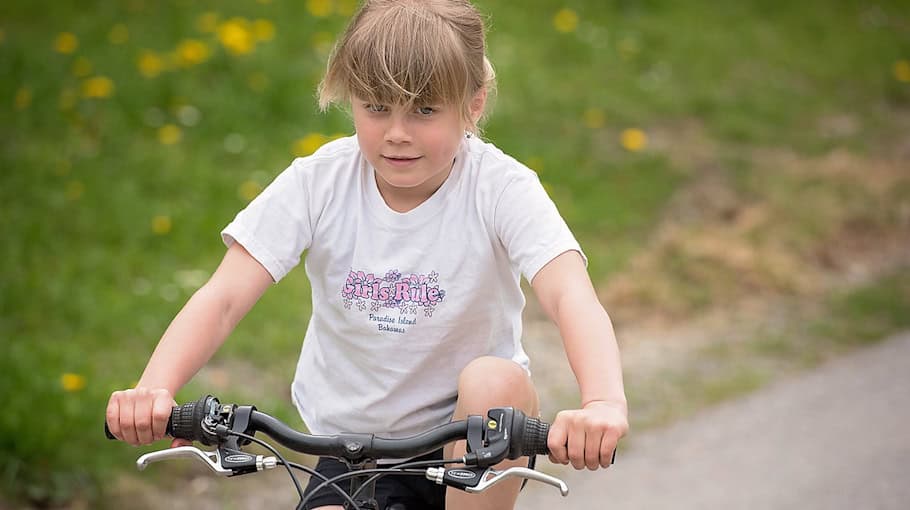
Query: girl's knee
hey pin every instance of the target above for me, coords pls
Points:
(491, 382)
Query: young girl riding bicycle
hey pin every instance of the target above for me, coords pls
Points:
(417, 233)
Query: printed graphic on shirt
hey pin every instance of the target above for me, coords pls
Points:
(393, 294)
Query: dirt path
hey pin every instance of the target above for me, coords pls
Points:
(833, 438)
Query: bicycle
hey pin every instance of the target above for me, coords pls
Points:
(504, 433)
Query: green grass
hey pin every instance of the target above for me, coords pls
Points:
(88, 285)
(864, 315)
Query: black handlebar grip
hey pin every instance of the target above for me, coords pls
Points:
(185, 421)
(107, 431)
(535, 438)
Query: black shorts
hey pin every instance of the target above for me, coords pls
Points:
(414, 492)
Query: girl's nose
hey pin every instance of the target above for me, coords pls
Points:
(397, 130)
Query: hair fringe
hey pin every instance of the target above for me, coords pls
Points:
(411, 52)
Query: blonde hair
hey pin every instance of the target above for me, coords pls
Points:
(411, 52)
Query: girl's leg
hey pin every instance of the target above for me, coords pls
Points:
(485, 383)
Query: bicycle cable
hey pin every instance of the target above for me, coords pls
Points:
(399, 469)
(378, 472)
(428, 463)
(406, 465)
(305, 469)
(303, 500)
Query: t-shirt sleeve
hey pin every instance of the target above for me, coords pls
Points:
(275, 228)
(530, 226)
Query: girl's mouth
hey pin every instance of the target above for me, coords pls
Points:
(400, 160)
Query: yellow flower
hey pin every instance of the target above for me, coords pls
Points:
(72, 382)
(150, 64)
(634, 139)
(248, 190)
(119, 34)
(98, 87)
(169, 134)
(309, 143)
(23, 98)
(347, 7)
(74, 190)
(191, 52)
(66, 42)
(594, 118)
(257, 81)
(263, 30)
(82, 67)
(161, 224)
(207, 22)
(565, 21)
(320, 8)
(902, 71)
(235, 35)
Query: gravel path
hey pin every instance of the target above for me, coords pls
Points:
(834, 438)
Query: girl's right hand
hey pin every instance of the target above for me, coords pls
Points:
(139, 416)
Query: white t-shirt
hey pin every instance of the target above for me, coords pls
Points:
(401, 301)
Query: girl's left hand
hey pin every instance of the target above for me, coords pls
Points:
(587, 437)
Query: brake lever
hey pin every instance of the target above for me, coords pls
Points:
(492, 477)
(473, 480)
(211, 459)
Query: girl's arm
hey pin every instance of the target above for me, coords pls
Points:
(139, 415)
(585, 437)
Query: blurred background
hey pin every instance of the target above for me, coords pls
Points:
(737, 172)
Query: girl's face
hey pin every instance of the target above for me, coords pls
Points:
(409, 149)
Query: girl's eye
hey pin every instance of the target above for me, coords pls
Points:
(426, 110)
(375, 108)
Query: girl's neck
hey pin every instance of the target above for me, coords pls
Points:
(402, 200)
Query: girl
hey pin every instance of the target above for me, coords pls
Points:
(417, 234)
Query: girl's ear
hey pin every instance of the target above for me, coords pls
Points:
(478, 103)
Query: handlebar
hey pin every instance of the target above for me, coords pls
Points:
(504, 433)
